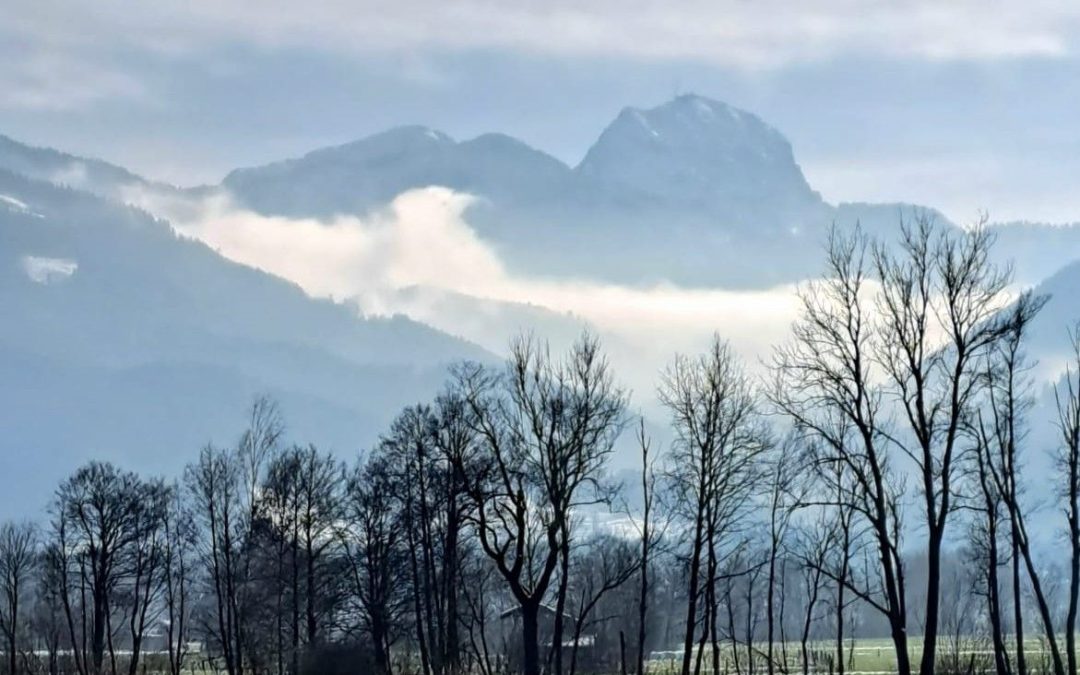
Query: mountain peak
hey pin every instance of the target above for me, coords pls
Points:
(705, 109)
(412, 138)
(369, 173)
(411, 132)
(691, 114)
(696, 151)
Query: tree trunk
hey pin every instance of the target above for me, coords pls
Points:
(13, 629)
(312, 622)
(643, 599)
(1070, 623)
(993, 596)
(692, 593)
(1043, 606)
(1018, 604)
(894, 592)
(808, 619)
(295, 607)
(770, 601)
(379, 640)
(750, 667)
(560, 601)
(840, 628)
(1074, 562)
(933, 595)
(98, 641)
(450, 577)
(899, 638)
(530, 638)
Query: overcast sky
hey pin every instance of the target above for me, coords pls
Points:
(960, 105)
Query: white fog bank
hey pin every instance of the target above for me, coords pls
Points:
(420, 257)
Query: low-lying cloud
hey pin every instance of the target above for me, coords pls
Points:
(420, 239)
(419, 256)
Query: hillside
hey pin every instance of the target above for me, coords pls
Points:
(148, 345)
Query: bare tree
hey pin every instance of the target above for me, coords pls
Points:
(1067, 397)
(224, 485)
(319, 491)
(784, 496)
(997, 431)
(257, 446)
(719, 438)
(279, 535)
(18, 561)
(650, 537)
(177, 569)
(478, 581)
(48, 619)
(607, 563)
(545, 430)
(937, 283)
(371, 537)
(215, 485)
(984, 537)
(1000, 437)
(96, 522)
(144, 580)
(825, 384)
(814, 545)
(412, 454)
(454, 440)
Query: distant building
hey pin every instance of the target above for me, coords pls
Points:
(511, 629)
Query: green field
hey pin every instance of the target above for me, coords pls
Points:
(867, 656)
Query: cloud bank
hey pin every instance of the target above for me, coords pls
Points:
(420, 239)
(73, 55)
(764, 33)
(420, 257)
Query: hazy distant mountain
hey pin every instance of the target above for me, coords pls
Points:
(692, 191)
(122, 340)
(367, 174)
(694, 154)
(1050, 330)
(59, 168)
(1037, 249)
(689, 155)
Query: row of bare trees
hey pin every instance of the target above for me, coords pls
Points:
(907, 380)
(872, 482)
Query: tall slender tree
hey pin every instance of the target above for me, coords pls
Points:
(18, 563)
(719, 438)
(545, 430)
(825, 384)
(371, 536)
(939, 298)
(1067, 397)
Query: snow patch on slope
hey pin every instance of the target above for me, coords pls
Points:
(17, 206)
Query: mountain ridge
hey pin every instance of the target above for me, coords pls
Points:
(703, 194)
